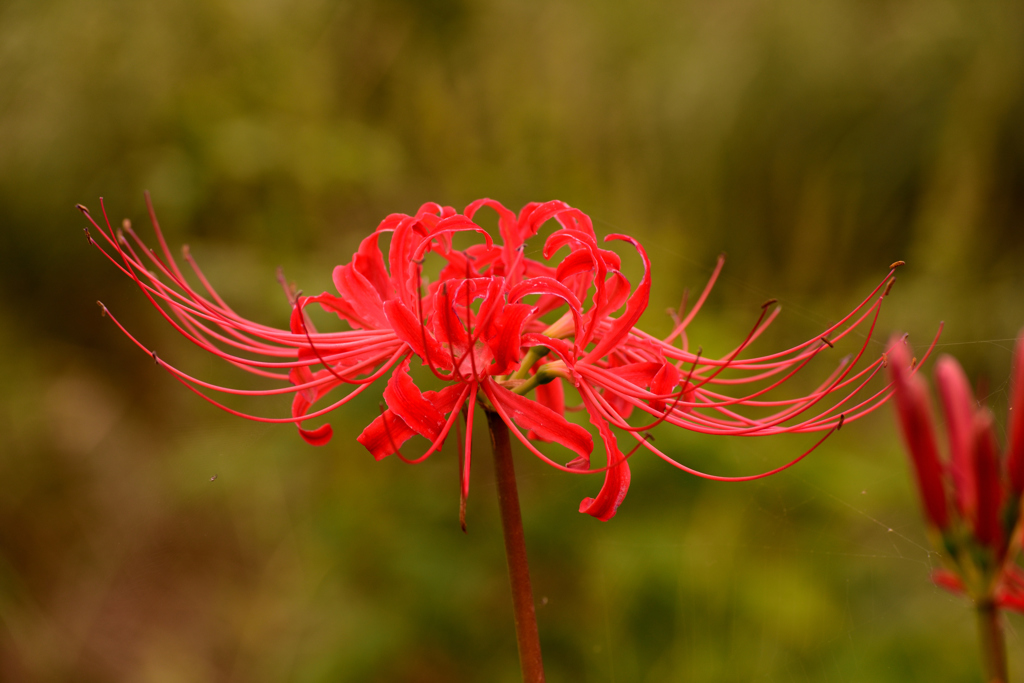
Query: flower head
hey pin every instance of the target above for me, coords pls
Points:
(977, 529)
(493, 327)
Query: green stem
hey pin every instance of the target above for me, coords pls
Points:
(515, 552)
(535, 380)
(993, 643)
(529, 360)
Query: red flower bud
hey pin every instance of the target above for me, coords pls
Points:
(988, 490)
(958, 408)
(1015, 460)
(915, 417)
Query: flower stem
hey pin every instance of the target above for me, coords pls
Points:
(515, 552)
(993, 643)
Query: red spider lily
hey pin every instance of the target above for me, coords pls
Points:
(496, 325)
(978, 528)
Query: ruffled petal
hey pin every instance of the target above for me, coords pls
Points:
(385, 435)
(319, 436)
(664, 382)
(407, 402)
(506, 345)
(616, 477)
(410, 330)
(305, 398)
(360, 295)
(543, 421)
(635, 307)
(370, 262)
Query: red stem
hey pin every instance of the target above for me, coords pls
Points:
(993, 643)
(515, 552)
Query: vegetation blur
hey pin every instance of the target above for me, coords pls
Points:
(146, 536)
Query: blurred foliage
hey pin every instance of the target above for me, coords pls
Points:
(815, 142)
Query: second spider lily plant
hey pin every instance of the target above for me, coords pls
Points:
(495, 327)
(972, 499)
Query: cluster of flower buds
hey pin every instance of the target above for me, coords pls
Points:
(972, 499)
(494, 326)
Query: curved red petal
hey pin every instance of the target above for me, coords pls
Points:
(948, 580)
(506, 345)
(360, 295)
(382, 436)
(409, 329)
(635, 307)
(616, 477)
(543, 421)
(317, 437)
(370, 262)
(407, 402)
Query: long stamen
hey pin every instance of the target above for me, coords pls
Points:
(300, 305)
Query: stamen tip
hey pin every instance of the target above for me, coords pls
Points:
(842, 417)
(82, 208)
(103, 308)
(888, 287)
(155, 358)
(768, 303)
(827, 342)
(126, 224)
(897, 264)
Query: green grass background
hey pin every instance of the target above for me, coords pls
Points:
(814, 142)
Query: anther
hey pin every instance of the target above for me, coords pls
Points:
(88, 235)
(81, 207)
(827, 342)
(103, 309)
(768, 303)
(842, 416)
(888, 287)
(897, 264)
(155, 359)
(126, 224)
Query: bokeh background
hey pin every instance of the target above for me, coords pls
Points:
(145, 536)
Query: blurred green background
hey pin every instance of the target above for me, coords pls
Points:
(814, 142)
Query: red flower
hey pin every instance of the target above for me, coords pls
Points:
(496, 325)
(977, 532)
